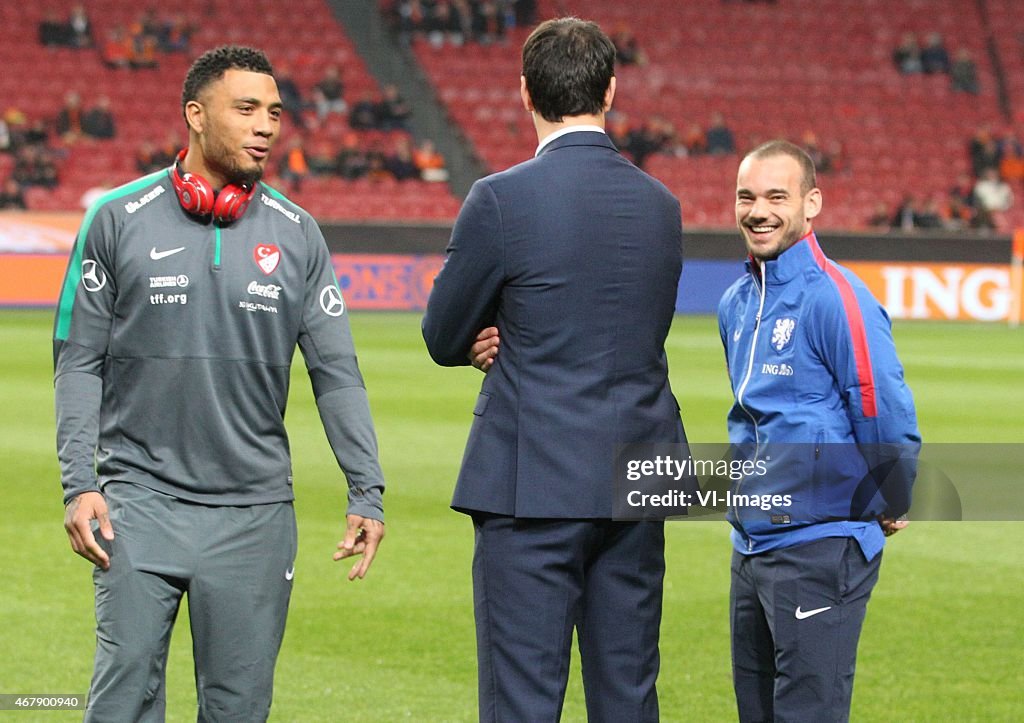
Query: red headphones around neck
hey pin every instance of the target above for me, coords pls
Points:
(196, 195)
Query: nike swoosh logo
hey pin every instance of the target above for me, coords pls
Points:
(802, 614)
(157, 255)
(289, 574)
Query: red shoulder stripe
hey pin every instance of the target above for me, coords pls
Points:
(861, 357)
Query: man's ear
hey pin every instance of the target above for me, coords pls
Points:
(609, 95)
(812, 203)
(525, 94)
(194, 116)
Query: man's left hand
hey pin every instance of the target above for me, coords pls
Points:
(485, 349)
(890, 526)
(361, 538)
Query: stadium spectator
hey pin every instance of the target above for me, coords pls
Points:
(54, 32)
(321, 157)
(400, 162)
(8, 140)
(627, 47)
(329, 94)
(146, 158)
(639, 143)
(983, 151)
(525, 12)
(1011, 158)
(168, 150)
(377, 166)
(961, 199)
(365, 114)
(904, 214)
(117, 52)
(176, 35)
(694, 140)
(393, 113)
(98, 121)
(34, 166)
(488, 22)
(12, 197)
(68, 123)
(442, 24)
(144, 52)
(803, 570)
(931, 214)
(992, 195)
(964, 73)
(462, 22)
(294, 167)
(719, 137)
(880, 219)
(291, 96)
(934, 56)
(351, 161)
(907, 55)
(429, 161)
(406, 17)
(35, 133)
(79, 27)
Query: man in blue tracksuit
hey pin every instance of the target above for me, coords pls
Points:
(820, 399)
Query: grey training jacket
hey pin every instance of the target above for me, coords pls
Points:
(173, 343)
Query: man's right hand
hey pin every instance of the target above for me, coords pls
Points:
(485, 349)
(78, 513)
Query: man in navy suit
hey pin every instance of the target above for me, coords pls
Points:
(569, 264)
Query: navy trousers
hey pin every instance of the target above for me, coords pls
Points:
(534, 582)
(796, 614)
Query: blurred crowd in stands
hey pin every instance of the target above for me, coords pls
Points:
(657, 135)
(933, 58)
(457, 22)
(374, 141)
(137, 46)
(366, 135)
(978, 200)
(35, 162)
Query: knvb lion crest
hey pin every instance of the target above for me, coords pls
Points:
(782, 332)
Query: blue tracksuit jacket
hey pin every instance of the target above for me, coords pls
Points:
(819, 394)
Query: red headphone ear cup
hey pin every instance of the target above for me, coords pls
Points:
(194, 193)
(231, 203)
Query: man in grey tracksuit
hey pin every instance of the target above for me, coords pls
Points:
(173, 342)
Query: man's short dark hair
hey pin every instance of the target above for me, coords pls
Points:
(211, 66)
(808, 177)
(568, 64)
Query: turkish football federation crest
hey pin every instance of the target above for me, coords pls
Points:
(782, 332)
(267, 257)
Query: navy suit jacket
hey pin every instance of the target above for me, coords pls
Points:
(575, 256)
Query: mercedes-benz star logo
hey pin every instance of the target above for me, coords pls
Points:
(93, 278)
(331, 301)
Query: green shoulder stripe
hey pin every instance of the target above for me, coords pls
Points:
(74, 274)
(277, 194)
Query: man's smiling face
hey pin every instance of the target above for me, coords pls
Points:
(773, 207)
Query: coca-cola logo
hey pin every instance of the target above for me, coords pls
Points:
(267, 291)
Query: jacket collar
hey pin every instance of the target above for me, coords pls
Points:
(578, 138)
(793, 261)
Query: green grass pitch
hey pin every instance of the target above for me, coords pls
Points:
(942, 641)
